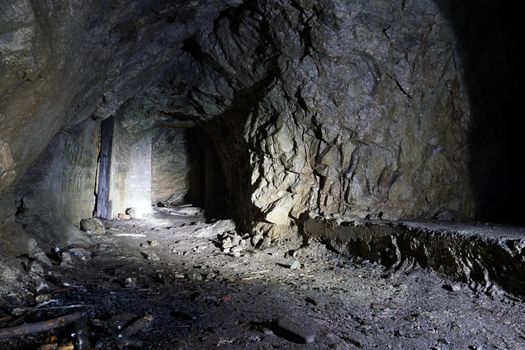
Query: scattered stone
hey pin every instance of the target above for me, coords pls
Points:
(227, 243)
(67, 259)
(150, 255)
(236, 239)
(92, 225)
(236, 254)
(300, 331)
(131, 212)
(80, 254)
(43, 297)
(122, 216)
(236, 249)
(452, 287)
(295, 265)
(257, 241)
(36, 270)
(130, 282)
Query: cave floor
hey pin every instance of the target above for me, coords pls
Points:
(190, 295)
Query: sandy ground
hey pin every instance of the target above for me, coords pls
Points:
(168, 286)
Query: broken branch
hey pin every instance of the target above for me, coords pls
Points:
(42, 326)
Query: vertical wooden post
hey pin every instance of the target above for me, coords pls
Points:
(103, 208)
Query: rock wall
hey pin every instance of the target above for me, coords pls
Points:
(170, 166)
(326, 107)
(333, 108)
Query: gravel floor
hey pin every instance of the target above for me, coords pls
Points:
(162, 283)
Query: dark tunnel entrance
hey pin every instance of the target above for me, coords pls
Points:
(186, 170)
(168, 164)
(488, 37)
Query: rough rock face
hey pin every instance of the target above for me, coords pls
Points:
(485, 257)
(328, 107)
(347, 108)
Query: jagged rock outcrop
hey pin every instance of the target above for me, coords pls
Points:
(486, 257)
(334, 108)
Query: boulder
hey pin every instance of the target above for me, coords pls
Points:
(92, 225)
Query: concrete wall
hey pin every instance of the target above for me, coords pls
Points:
(170, 165)
(130, 184)
(60, 186)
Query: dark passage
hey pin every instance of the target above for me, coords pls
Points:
(488, 34)
(186, 170)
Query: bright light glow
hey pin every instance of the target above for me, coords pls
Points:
(138, 184)
(142, 208)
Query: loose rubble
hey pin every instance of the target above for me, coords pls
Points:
(288, 294)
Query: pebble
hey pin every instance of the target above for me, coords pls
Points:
(257, 240)
(454, 287)
(302, 330)
(80, 254)
(236, 249)
(67, 260)
(130, 282)
(295, 265)
(150, 255)
(122, 216)
(131, 213)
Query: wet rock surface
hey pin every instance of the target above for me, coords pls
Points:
(202, 298)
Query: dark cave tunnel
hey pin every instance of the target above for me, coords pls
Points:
(149, 145)
(485, 36)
